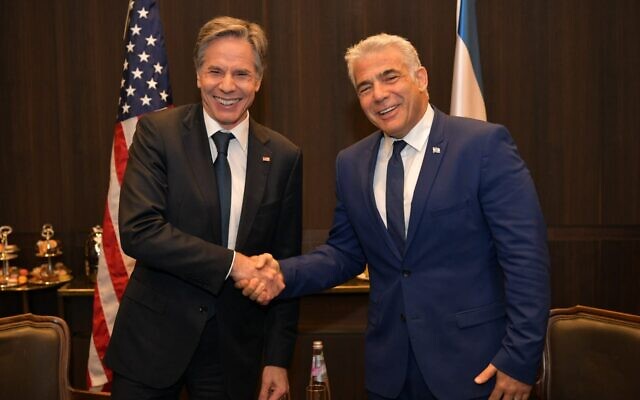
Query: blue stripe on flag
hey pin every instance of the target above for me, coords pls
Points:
(468, 32)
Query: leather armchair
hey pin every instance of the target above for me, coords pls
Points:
(34, 360)
(591, 353)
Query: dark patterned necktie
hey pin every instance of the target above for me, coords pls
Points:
(223, 177)
(395, 196)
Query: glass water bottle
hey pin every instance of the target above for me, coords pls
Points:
(318, 388)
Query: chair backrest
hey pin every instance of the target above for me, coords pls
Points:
(34, 358)
(591, 353)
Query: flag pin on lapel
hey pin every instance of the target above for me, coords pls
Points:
(435, 150)
(266, 159)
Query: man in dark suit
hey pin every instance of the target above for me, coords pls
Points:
(444, 212)
(191, 204)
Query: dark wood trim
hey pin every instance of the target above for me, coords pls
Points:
(571, 233)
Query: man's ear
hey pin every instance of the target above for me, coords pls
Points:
(422, 77)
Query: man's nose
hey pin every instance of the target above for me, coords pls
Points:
(228, 84)
(379, 92)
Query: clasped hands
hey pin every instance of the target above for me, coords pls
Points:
(259, 277)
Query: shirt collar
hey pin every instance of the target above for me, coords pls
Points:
(418, 135)
(240, 131)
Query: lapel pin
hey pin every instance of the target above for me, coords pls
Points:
(266, 159)
(435, 150)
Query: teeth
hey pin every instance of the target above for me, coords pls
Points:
(226, 102)
(386, 110)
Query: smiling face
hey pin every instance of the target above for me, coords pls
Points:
(228, 80)
(393, 97)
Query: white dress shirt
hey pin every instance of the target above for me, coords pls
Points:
(412, 157)
(237, 157)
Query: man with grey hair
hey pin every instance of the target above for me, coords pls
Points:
(205, 184)
(445, 214)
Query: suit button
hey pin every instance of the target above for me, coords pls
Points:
(203, 309)
(403, 318)
(406, 273)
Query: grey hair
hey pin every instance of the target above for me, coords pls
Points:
(378, 42)
(232, 27)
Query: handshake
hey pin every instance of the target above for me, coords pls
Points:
(259, 277)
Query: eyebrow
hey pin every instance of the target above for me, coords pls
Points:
(384, 73)
(231, 69)
(389, 71)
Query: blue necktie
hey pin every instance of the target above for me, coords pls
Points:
(223, 178)
(395, 196)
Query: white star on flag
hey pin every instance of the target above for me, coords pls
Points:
(135, 30)
(144, 57)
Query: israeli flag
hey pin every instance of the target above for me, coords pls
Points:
(466, 91)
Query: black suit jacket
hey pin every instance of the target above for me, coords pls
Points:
(169, 222)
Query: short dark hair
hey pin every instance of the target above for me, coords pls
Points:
(232, 27)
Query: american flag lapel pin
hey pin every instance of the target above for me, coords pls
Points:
(435, 150)
(266, 159)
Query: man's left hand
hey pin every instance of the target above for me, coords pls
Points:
(507, 388)
(275, 384)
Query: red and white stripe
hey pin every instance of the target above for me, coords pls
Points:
(114, 267)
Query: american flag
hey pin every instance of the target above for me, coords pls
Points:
(144, 88)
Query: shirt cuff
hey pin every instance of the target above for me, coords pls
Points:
(231, 266)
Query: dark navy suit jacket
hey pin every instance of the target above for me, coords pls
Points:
(472, 287)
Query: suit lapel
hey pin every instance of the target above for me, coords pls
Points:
(371, 199)
(258, 165)
(435, 151)
(198, 155)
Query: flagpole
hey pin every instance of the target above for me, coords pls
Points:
(126, 21)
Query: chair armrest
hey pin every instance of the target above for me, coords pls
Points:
(77, 394)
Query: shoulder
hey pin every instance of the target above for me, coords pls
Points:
(271, 138)
(169, 121)
(467, 134)
(468, 128)
(165, 128)
(362, 147)
(170, 114)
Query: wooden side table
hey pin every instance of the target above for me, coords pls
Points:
(29, 298)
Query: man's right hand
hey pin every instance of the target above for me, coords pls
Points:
(259, 277)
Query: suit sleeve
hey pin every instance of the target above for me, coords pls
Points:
(146, 232)
(282, 317)
(330, 264)
(512, 211)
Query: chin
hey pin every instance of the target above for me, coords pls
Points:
(390, 130)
